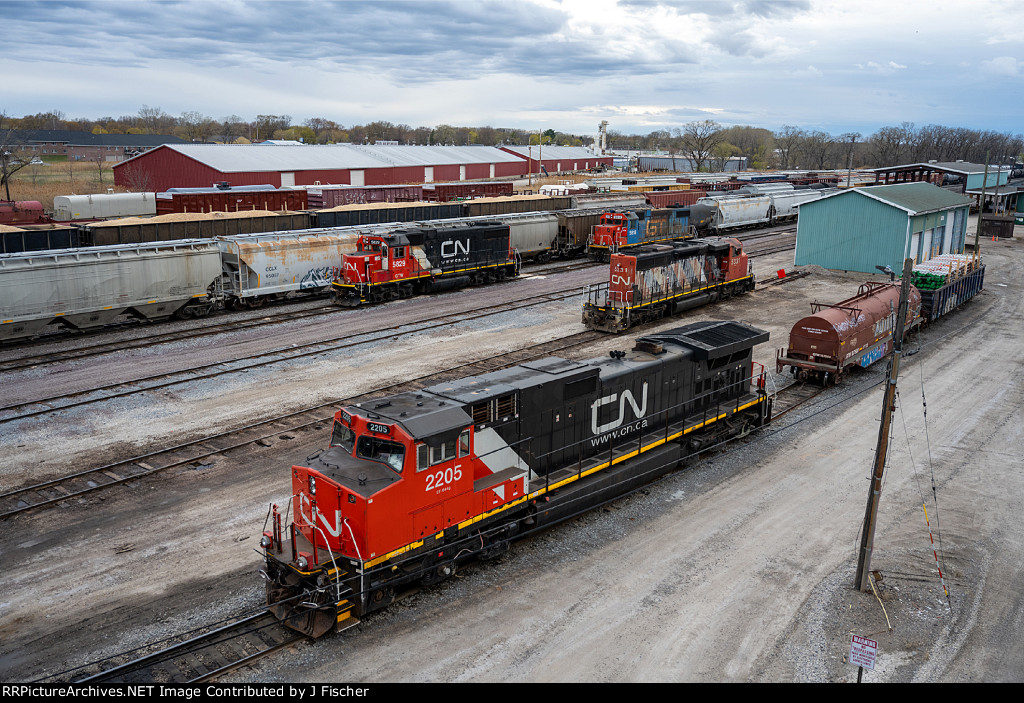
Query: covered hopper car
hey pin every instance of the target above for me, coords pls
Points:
(650, 282)
(87, 288)
(414, 484)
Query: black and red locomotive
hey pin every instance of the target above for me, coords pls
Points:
(415, 483)
(650, 282)
(407, 262)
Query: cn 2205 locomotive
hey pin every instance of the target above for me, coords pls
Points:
(415, 483)
(408, 262)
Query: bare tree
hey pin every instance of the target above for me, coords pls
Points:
(136, 178)
(14, 153)
(155, 121)
(787, 141)
(699, 141)
(266, 125)
(817, 147)
(891, 145)
(721, 154)
(195, 126)
(98, 159)
(231, 128)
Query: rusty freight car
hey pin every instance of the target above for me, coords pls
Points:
(857, 331)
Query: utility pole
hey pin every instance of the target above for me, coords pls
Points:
(981, 206)
(888, 405)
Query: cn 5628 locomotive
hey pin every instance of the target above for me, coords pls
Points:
(618, 231)
(415, 483)
(650, 282)
(408, 262)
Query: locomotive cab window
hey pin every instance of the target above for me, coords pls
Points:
(398, 253)
(382, 451)
(442, 452)
(343, 436)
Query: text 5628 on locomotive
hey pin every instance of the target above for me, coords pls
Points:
(415, 483)
(650, 282)
(408, 262)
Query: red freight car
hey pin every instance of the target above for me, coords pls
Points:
(855, 332)
(445, 192)
(231, 201)
(22, 212)
(673, 198)
(322, 197)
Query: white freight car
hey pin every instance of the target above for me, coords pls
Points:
(100, 206)
(85, 288)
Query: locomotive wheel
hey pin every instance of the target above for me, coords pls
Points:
(438, 573)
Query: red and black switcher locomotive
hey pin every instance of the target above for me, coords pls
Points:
(415, 483)
(408, 262)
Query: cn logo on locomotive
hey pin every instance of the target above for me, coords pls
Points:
(309, 515)
(454, 247)
(639, 410)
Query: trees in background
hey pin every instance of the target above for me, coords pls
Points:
(705, 143)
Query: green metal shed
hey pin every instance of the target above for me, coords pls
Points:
(859, 229)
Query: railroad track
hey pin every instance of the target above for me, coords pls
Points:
(199, 330)
(199, 453)
(51, 404)
(205, 656)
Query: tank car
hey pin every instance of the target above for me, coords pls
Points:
(416, 483)
(407, 262)
(100, 206)
(852, 333)
(22, 212)
(650, 282)
(622, 230)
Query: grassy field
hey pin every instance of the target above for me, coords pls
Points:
(44, 181)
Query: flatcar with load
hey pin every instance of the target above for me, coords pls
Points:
(946, 282)
(416, 483)
(651, 282)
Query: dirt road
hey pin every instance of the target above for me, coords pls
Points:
(740, 568)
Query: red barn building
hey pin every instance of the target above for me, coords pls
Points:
(202, 165)
(559, 159)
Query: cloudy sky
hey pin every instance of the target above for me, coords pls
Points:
(533, 64)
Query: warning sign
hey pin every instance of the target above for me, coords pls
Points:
(863, 652)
